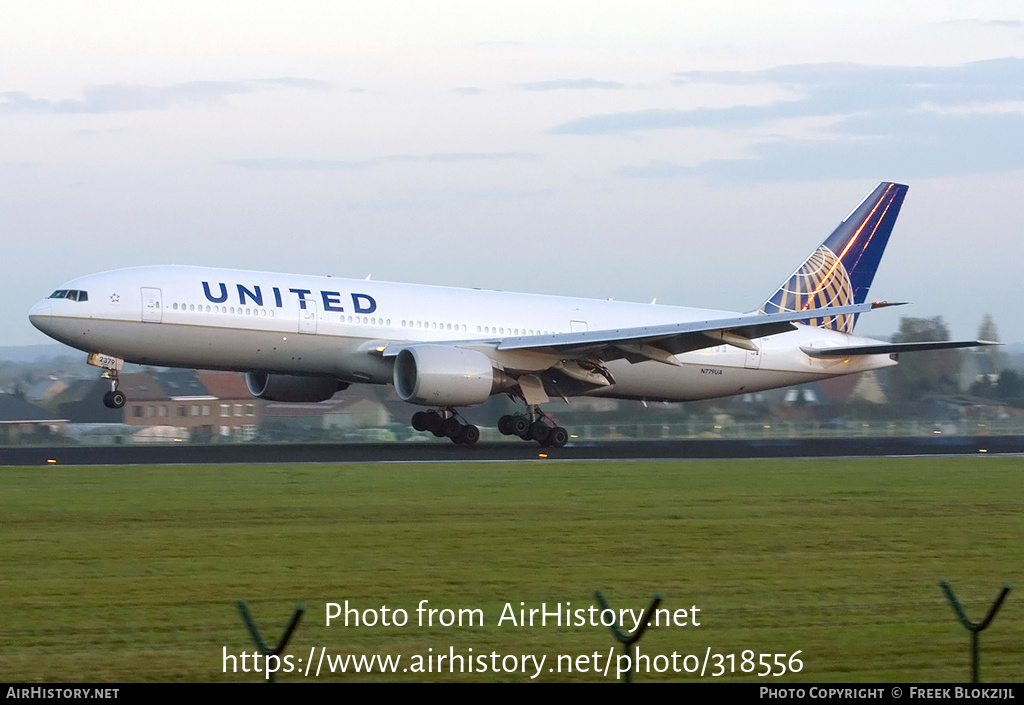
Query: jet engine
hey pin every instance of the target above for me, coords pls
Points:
(443, 375)
(273, 387)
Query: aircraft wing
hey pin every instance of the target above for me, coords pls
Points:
(890, 348)
(662, 342)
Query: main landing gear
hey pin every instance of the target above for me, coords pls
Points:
(445, 424)
(537, 426)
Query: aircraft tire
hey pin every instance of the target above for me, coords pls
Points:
(432, 422)
(468, 435)
(419, 421)
(451, 427)
(558, 437)
(540, 431)
(520, 426)
(114, 400)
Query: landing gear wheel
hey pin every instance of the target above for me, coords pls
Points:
(118, 399)
(419, 421)
(431, 421)
(558, 437)
(468, 435)
(114, 400)
(540, 431)
(520, 426)
(450, 427)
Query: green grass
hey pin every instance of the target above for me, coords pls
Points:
(131, 573)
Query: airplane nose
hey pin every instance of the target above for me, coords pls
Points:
(43, 308)
(39, 313)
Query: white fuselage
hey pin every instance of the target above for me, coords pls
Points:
(207, 318)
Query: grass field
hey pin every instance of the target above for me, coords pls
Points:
(131, 573)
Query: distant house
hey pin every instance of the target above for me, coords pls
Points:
(168, 405)
(356, 412)
(20, 419)
(80, 402)
(238, 413)
(863, 387)
(312, 420)
(977, 366)
(45, 390)
(968, 407)
(200, 405)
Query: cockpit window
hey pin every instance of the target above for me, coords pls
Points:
(73, 294)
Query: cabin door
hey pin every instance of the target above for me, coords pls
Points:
(307, 317)
(152, 305)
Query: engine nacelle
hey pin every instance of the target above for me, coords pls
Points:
(443, 375)
(291, 387)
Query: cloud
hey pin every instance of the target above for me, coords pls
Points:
(499, 44)
(276, 164)
(573, 84)
(1000, 24)
(897, 147)
(449, 157)
(896, 122)
(656, 169)
(115, 98)
(827, 90)
(283, 164)
(667, 119)
(291, 82)
(469, 90)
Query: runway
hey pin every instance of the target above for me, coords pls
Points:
(444, 451)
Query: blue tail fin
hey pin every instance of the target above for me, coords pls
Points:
(839, 272)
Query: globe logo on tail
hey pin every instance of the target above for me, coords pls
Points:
(820, 282)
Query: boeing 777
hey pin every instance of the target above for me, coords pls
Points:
(304, 338)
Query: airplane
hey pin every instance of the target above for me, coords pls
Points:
(303, 338)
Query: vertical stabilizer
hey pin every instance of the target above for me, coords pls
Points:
(840, 271)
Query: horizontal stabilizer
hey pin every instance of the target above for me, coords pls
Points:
(890, 348)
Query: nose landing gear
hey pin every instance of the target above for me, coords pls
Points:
(110, 365)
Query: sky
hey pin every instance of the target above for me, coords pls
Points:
(690, 152)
